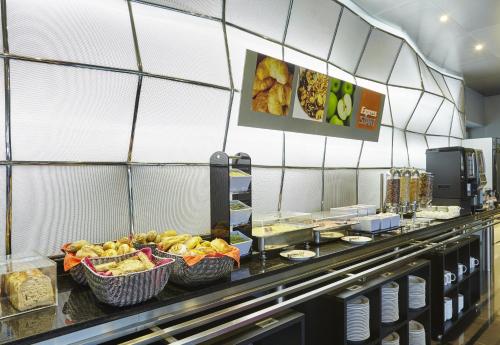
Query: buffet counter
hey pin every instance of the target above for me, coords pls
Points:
(80, 318)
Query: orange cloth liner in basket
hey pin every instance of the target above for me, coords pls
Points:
(70, 260)
(194, 259)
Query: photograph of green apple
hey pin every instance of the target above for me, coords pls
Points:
(340, 99)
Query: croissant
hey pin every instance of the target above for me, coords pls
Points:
(261, 85)
(259, 103)
(277, 99)
(270, 67)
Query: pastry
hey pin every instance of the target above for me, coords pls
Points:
(271, 67)
(151, 236)
(109, 245)
(220, 245)
(105, 267)
(110, 252)
(259, 103)
(178, 249)
(76, 246)
(145, 260)
(86, 251)
(29, 289)
(261, 85)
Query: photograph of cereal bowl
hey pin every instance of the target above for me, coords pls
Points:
(311, 95)
(340, 102)
(272, 86)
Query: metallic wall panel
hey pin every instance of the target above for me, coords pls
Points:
(455, 142)
(379, 56)
(424, 112)
(399, 149)
(349, 40)
(211, 8)
(86, 31)
(61, 113)
(442, 122)
(456, 125)
(312, 26)
(428, 80)
(264, 17)
(304, 150)
(435, 141)
(377, 154)
(406, 71)
(179, 122)
(265, 189)
(403, 103)
(456, 88)
(416, 149)
(342, 152)
(172, 197)
(369, 186)
(340, 188)
(438, 77)
(2, 111)
(295, 57)
(302, 190)
(263, 145)
(239, 41)
(180, 45)
(57, 204)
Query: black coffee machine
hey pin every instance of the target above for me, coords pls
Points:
(456, 177)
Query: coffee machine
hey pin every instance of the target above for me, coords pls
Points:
(456, 177)
(481, 181)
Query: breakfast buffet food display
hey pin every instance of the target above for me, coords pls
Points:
(408, 188)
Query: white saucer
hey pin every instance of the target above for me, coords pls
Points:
(357, 239)
(298, 254)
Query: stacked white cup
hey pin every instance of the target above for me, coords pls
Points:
(358, 319)
(416, 333)
(448, 308)
(473, 263)
(391, 339)
(460, 302)
(416, 292)
(390, 303)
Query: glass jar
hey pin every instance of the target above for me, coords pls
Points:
(426, 181)
(414, 184)
(392, 188)
(404, 187)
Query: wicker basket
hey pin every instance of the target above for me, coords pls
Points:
(139, 246)
(209, 269)
(129, 289)
(78, 272)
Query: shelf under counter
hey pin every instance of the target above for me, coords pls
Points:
(80, 314)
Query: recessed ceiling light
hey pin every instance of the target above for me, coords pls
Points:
(443, 18)
(478, 47)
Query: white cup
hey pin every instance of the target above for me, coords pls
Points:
(473, 263)
(462, 269)
(448, 308)
(460, 302)
(449, 277)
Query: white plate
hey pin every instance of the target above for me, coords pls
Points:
(356, 239)
(298, 255)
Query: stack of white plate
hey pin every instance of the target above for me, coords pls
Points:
(390, 305)
(391, 339)
(416, 292)
(416, 333)
(358, 319)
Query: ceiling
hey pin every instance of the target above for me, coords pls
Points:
(450, 44)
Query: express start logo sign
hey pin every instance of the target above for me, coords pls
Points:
(368, 110)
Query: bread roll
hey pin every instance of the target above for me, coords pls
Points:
(29, 289)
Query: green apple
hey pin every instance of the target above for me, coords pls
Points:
(335, 85)
(347, 88)
(344, 107)
(332, 105)
(336, 121)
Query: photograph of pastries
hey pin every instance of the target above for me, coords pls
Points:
(272, 86)
(340, 102)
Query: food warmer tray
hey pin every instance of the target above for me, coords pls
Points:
(317, 239)
(270, 241)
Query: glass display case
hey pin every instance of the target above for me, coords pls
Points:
(28, 283)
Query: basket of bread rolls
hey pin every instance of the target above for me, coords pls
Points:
(198, 262)
(128, 279)
(77, 251)
(151, 238)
